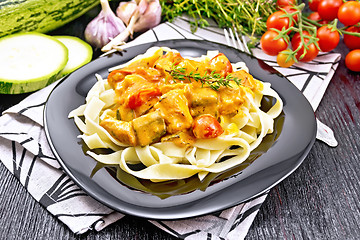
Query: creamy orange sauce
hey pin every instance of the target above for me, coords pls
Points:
(152, 105)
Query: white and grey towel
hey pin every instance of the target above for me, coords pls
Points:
(25, 152)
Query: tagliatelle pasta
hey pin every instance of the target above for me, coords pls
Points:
(175, 117)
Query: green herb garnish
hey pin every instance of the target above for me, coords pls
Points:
(213, 80)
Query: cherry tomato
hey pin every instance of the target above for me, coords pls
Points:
(284, 3)
(352, 42)
(311, 52)
(328, 39)
(290, 9)
(316, 17)
(143, 95)
(206, 126)
(283, 59)
(275, 20)
(328, 9)
(352, 60)
(269, 45)
(349, 13)
(295, 40)
(313, 5)
(221, 64)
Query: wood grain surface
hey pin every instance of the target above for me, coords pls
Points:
(320, 200)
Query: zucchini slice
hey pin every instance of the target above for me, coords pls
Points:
(30, 61)
(80, 53)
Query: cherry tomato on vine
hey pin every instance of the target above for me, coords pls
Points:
(284, 3)
(291, 9)
(313, 5)
(283, 59)
(295, 40)
(328, 39)
(352, 42)
(349, 13)
(275, 20)
(269, 45)
(206, 126)
(352, 60)
(316, 17)
(311, 52)
(328, 9)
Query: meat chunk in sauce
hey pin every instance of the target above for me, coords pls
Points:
(121, 130)
(202, 100)
(174, 108)
(149, 128)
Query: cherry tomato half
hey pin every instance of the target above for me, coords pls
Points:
(143, 95)
(269, 45)
(328, 39)
(349, 13)
(328, 9)
(221, 64)
(352, 42)
(206, 126)
(352, 60)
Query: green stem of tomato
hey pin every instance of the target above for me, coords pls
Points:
(341, 30)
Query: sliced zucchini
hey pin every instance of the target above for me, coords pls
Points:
(80, 53)
(30, 61)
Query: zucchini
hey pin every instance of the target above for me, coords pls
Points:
(30, 61)
(40, 16)
(80, 53)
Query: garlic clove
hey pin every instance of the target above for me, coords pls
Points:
(150, 18)
(125, 10)
(103, 27)
(143, 5)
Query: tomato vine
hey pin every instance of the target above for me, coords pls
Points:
(310, 34)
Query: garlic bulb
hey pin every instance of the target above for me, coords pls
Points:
(149, 13)
(104, 27)
(139, 15)
(125, 10)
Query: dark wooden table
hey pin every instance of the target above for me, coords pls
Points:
(320, 200)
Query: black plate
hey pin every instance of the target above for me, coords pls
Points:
(288, 152)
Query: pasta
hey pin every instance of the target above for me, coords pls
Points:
(176, 117)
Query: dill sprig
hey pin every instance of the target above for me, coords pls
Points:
(213, 80)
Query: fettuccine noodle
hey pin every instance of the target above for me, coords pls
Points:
(137, 125)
